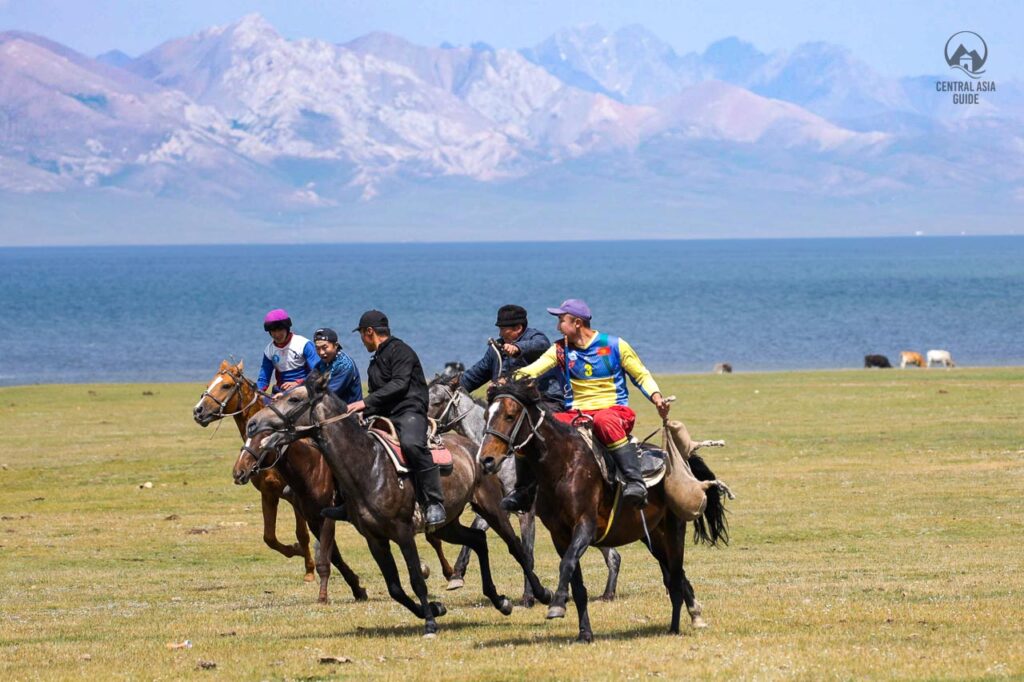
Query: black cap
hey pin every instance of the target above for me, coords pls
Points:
(372, 318)
(510, 316)
(325, 334)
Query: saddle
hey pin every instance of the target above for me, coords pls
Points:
(652, 459)
(383, 429)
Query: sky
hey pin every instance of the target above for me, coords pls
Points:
(896, 38)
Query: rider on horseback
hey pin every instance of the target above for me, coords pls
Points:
(398, 390)
(596, 369)
(288, 357)
(520, 345)
(344, 382)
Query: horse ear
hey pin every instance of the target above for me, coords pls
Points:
(240, 366)
(316, 382)
(223, 365)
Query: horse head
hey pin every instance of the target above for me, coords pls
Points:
(252, 459)
(223, 396)
(291, 416)
(512, 405)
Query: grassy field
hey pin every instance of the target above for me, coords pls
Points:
(878, 533)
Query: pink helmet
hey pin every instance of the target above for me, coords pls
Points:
(277, 319)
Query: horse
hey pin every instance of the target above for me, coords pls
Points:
(380, 503)
(580, 509)
(231, 394)
(940, 357)
(455, 410)
(908, 357)
(303, 469)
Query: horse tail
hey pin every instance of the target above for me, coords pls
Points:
(711, 527)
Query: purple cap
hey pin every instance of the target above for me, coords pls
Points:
(276, 315)
(574, 307)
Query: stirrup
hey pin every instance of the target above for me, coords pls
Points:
(338, 513)
(519, 500)
(635, 494)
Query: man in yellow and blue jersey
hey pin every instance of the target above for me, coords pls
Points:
(594, 367)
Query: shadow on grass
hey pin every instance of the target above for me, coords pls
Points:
(644, 632)
(414, 629)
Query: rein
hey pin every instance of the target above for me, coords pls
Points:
(510, 439)
(453, 397)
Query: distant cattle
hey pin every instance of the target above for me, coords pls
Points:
(876, 361)
(941, 357)
(910, 358)
(723, 368)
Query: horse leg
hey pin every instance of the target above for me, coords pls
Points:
(269, 502)
(666, 546)
(579, 597)
(498, 519)
(528, 535)
(304, 544)
(446, 569)
(613, 560)
(350, 576)
(430, 610)
(582, 536)
(476, 540)
(323, 557)
(457, 579)
(693, 606)
(380, 548)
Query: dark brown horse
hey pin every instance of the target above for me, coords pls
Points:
(231, 394)
(380, 503)
(580, 509)
(312, 485)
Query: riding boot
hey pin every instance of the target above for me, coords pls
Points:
(338, 511)
(627, 457)
(521, 498)
(428, 487)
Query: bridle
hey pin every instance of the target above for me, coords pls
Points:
(235, 390)
(524, 416)
(257, 467)
(453, 398)
(295, 431)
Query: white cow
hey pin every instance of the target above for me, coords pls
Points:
(941, 357)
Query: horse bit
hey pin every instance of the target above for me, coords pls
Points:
(510, 439)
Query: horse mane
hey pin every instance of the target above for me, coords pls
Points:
(523, 390)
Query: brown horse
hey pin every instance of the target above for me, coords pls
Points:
(580, 509)
(231, 394)
(312, 485)
(380, 503)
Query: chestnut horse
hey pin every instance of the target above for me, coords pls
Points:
(380, 503)
(231, 394)
(580, 509)
(303, 469)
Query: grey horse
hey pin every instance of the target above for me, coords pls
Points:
(455, 410)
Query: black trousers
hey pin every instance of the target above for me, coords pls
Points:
(412, 435)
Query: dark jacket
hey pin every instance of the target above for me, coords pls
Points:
(532, 344)
(396, 381)
(344, 381)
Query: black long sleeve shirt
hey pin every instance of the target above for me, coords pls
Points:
(396, 380)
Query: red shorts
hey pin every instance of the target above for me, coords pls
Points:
(612, 425)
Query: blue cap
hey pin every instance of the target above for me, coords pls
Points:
(574, 307)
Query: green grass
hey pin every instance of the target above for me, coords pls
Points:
(878, 533)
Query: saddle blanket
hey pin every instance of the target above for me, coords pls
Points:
(441, 455)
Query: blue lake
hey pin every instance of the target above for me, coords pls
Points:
(113, 314)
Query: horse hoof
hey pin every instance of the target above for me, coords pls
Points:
(527, 602)
(556, 612)
(425, 570)
(585, 636)
(430, 634)
(308, 578)
(455, 584)
(698, 622)
(505, 607)
(607, 596)
(323, 600)
(360, 594)
(438, 609)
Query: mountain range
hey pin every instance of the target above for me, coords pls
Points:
(237, 134)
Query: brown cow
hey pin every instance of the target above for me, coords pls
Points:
(909, 357)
